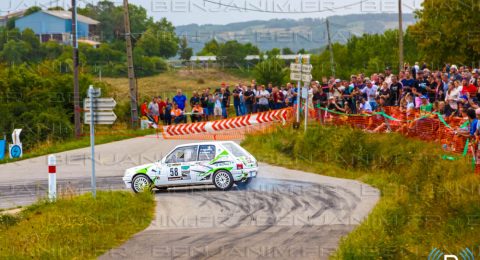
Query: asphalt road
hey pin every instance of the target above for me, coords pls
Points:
(284, 214)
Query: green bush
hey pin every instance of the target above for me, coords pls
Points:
(426, 202)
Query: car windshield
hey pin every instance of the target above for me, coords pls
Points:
(234, 149)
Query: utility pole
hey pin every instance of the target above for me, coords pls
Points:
(400, 34)
(131, 70)
(330, 47)
(76, 95)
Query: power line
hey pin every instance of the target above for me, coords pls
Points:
(296, 12)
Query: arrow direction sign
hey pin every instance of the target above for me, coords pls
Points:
(296, 76)
(100, 104)
(307, 68)
(306, 77)
(101, 118)
(296, 67)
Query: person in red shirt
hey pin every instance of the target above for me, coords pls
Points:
(468, 88)
(161, 107)
(144, 108)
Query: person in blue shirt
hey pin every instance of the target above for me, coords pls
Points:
(180, 100)
(472, 117)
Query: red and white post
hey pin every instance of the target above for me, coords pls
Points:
(52, 177)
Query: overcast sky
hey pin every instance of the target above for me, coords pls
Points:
(182, 12)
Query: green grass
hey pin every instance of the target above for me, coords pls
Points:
(77, 227)
(103, 135)
(426, 202)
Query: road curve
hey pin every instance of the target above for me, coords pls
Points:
(284, 214)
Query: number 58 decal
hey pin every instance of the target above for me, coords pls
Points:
(173, 171)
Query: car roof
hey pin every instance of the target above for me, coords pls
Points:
(205, 143)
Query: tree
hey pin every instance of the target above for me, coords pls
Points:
(445, 31)
(160, 40)
(15, 52)
(231, 54)
(271, 70)
(210, 48)
(56, 8)
(301, 51)
(32, 10)
(273, 53)
(185, 52)
(287, 51)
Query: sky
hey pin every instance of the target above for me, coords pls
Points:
(182, 12)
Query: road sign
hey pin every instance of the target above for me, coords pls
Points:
(101, 117)
(307, 68)
(95, 92)
(296, 67)
(306, 77)
(16, 151)
(100, 104)
(296, 76)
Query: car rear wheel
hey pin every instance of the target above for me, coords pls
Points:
(223, 180)
(243, 184)
(140, 183)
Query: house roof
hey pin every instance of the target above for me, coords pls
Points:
(66, 15)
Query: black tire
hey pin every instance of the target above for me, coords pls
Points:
(141, 182)
(223, 180)
(242, 185)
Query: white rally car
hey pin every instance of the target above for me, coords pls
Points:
(222, 164)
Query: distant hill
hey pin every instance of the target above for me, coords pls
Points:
(309, 34)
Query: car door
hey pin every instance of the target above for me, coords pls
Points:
(177, 167)
(201, 170)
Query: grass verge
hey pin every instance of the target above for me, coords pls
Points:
(426, 202)
(103, 135)
(76, 227)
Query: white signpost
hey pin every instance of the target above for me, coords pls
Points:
(97, 111)
(301, 72)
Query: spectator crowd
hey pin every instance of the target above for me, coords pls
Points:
(450, 92)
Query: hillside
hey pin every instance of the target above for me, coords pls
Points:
(296, 34)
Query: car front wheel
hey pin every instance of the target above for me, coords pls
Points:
(223, 180)
(140, 183)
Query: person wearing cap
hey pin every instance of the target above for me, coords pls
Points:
(426, 107)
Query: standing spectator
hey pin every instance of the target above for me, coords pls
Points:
(384, 93)
(408, 83)
(194, 99)
(395, 91)
(180, 100)
(237, 92)
(217, 110)
(371, 92)
(154, 110)
(262, 99)
(168, 112)
(161, 108)
(204, 103)
(271, 103)
(211, 106)
(278, 98)
(225, 96)
(249, 100)
(144, 108)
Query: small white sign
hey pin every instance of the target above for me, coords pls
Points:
(296, 67)
(307, 68)
(306, 77)
(296, 76)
